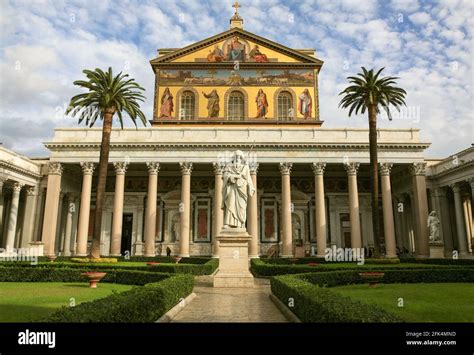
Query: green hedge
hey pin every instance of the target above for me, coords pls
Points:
(35, 274)
(163, 259)
(312, 303)
(465, 262)
(195, 266)
(262, 268)
(139, 305)
(339, 278)
(306, 260)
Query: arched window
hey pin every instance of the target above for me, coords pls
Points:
(235, 106)
(187, 105)
(285, 106)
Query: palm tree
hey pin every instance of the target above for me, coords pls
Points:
(370, 93)
(106, 96)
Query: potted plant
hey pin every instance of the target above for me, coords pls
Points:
(94, 277)
(177, 259)
(372, 277)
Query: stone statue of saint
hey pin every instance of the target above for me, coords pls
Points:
(237, 186)
(433, 225)
(212, 104)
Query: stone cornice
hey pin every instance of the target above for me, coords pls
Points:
(18, 170)
(451, 170)
(159, 146)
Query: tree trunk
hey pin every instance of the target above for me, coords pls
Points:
(374, 177)
(102, 178)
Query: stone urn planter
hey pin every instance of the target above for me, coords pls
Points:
(51, 258)
(373, 278)
(93, 277)
(177, 259)
(151, 263)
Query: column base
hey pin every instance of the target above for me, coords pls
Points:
(80, 255)
(233, 259)
(183, 255)
(115, 255)
(436, 251)
(287, 256)
(150, 255)
(254, 256)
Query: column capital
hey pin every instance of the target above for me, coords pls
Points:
(439, 192)
(285, 168)
(418, 169)
(17, 186)
(318, 168)
(351, 168)
(153, 167)
(471, 182)
(455, 187)
(2, 181)
(385, 168)
(87, 167)
(55, 168)
(31, 190)
(120, 167)
(186, 168)
(253, 167)
(218, 168)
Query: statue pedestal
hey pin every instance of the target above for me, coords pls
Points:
(233, 259)
(436, 250)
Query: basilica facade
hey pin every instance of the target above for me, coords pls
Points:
(236, 91)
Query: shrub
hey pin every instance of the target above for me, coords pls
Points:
(312, 303)
(94, 260)
(138, 305)
(263, 268)
(33, 274)
(198, 266)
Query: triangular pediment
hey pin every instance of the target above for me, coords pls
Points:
(233, 45)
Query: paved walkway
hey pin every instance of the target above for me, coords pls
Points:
(231, 304)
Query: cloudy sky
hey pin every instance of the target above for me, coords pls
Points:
(45, 45)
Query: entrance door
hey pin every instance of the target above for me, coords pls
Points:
(346, 229)
(127, 226)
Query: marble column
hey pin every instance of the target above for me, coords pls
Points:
(252, 220)
(218, 220)
(71, 209)
(471, 182)
(389, 228)
(418, 171)
(446, 233)
(320, 209)
(287, 238)
(150, 212)
(51, 209)
(185, 208)
(84, 212)
(116, 238)
(460, 226)
(2, 205)
(356, 240)
(467, 219)
(13, 216)
(29, 218)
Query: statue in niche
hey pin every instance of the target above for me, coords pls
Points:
(296, 226)
(213, 107)
(175, 227)
(433, 225)
(237, 187)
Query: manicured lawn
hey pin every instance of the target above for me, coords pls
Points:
(423, 302)
(29, 301)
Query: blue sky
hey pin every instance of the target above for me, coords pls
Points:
(45, 45)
